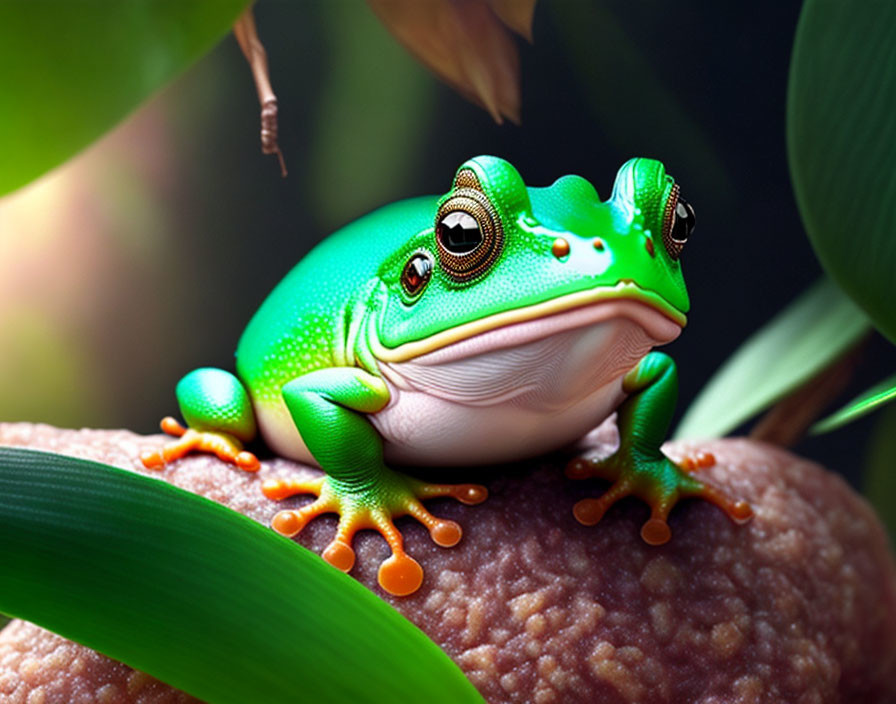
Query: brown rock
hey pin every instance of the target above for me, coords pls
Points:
(799, 605)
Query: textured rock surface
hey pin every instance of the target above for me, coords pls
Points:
(797, 606)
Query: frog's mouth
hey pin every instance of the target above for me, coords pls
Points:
(519, 326)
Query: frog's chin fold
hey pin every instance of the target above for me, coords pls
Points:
(657, 326)
(660, 321)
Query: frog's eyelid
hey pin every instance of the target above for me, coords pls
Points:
(466, 178)
(674, 246)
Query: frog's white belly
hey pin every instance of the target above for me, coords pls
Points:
(506, 394)
(508, 403)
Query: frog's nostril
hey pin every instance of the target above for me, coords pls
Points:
(560, 248)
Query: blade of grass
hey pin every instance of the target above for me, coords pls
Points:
(861, 405)
(808, 335)
(198, 595)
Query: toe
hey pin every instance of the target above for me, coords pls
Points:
(579, 468)
(445, 533)
(656, 532)
(340, 555)
(288, 523)
(400, 575)
(588, 512)
(152, 460)
(247, 462)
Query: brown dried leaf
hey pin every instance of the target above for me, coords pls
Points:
(465, 43)
(516, 14)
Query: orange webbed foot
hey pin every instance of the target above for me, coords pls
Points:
(374, 508)
(223, 446)
(657, 481)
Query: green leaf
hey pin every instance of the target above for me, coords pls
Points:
(69, 71)
(841, 139)
(880, 479)
(198, 595)
(804, 338)
(873, 398)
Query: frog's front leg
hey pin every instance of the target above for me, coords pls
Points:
(328, 408)
(219, 417)
(639, 466)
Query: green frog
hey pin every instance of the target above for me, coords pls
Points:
(491, 324)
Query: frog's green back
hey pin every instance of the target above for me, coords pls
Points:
(301, 324)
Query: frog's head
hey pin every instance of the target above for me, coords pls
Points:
(498, 253)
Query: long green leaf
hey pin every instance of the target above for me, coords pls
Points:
(880, 479)
(70, 70)
(841, 139)
(873, 398)
(198, 595)
(808, 335)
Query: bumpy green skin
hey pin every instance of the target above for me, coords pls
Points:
(329, 405)
(214, 400)
(639, 466)
(312, 343)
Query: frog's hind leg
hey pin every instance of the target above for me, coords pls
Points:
(329, 408)
(219, 417)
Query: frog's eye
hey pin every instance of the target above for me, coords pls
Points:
(468, 234)
(416, 274)
(678, 224)
(685, 220)
(459, 233)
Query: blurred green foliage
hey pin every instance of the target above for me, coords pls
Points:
(841, 142)
(801, 341)
(371, 118)
(69, 71)
(60, 365)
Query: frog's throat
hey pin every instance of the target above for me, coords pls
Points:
(623, 292)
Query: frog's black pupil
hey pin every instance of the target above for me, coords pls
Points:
(685, 220)
(416, 273)
(459, 232)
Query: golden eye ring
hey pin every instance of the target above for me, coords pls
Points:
(468, 233)
(679, 221)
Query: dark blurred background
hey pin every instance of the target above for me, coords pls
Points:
(146, 256)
